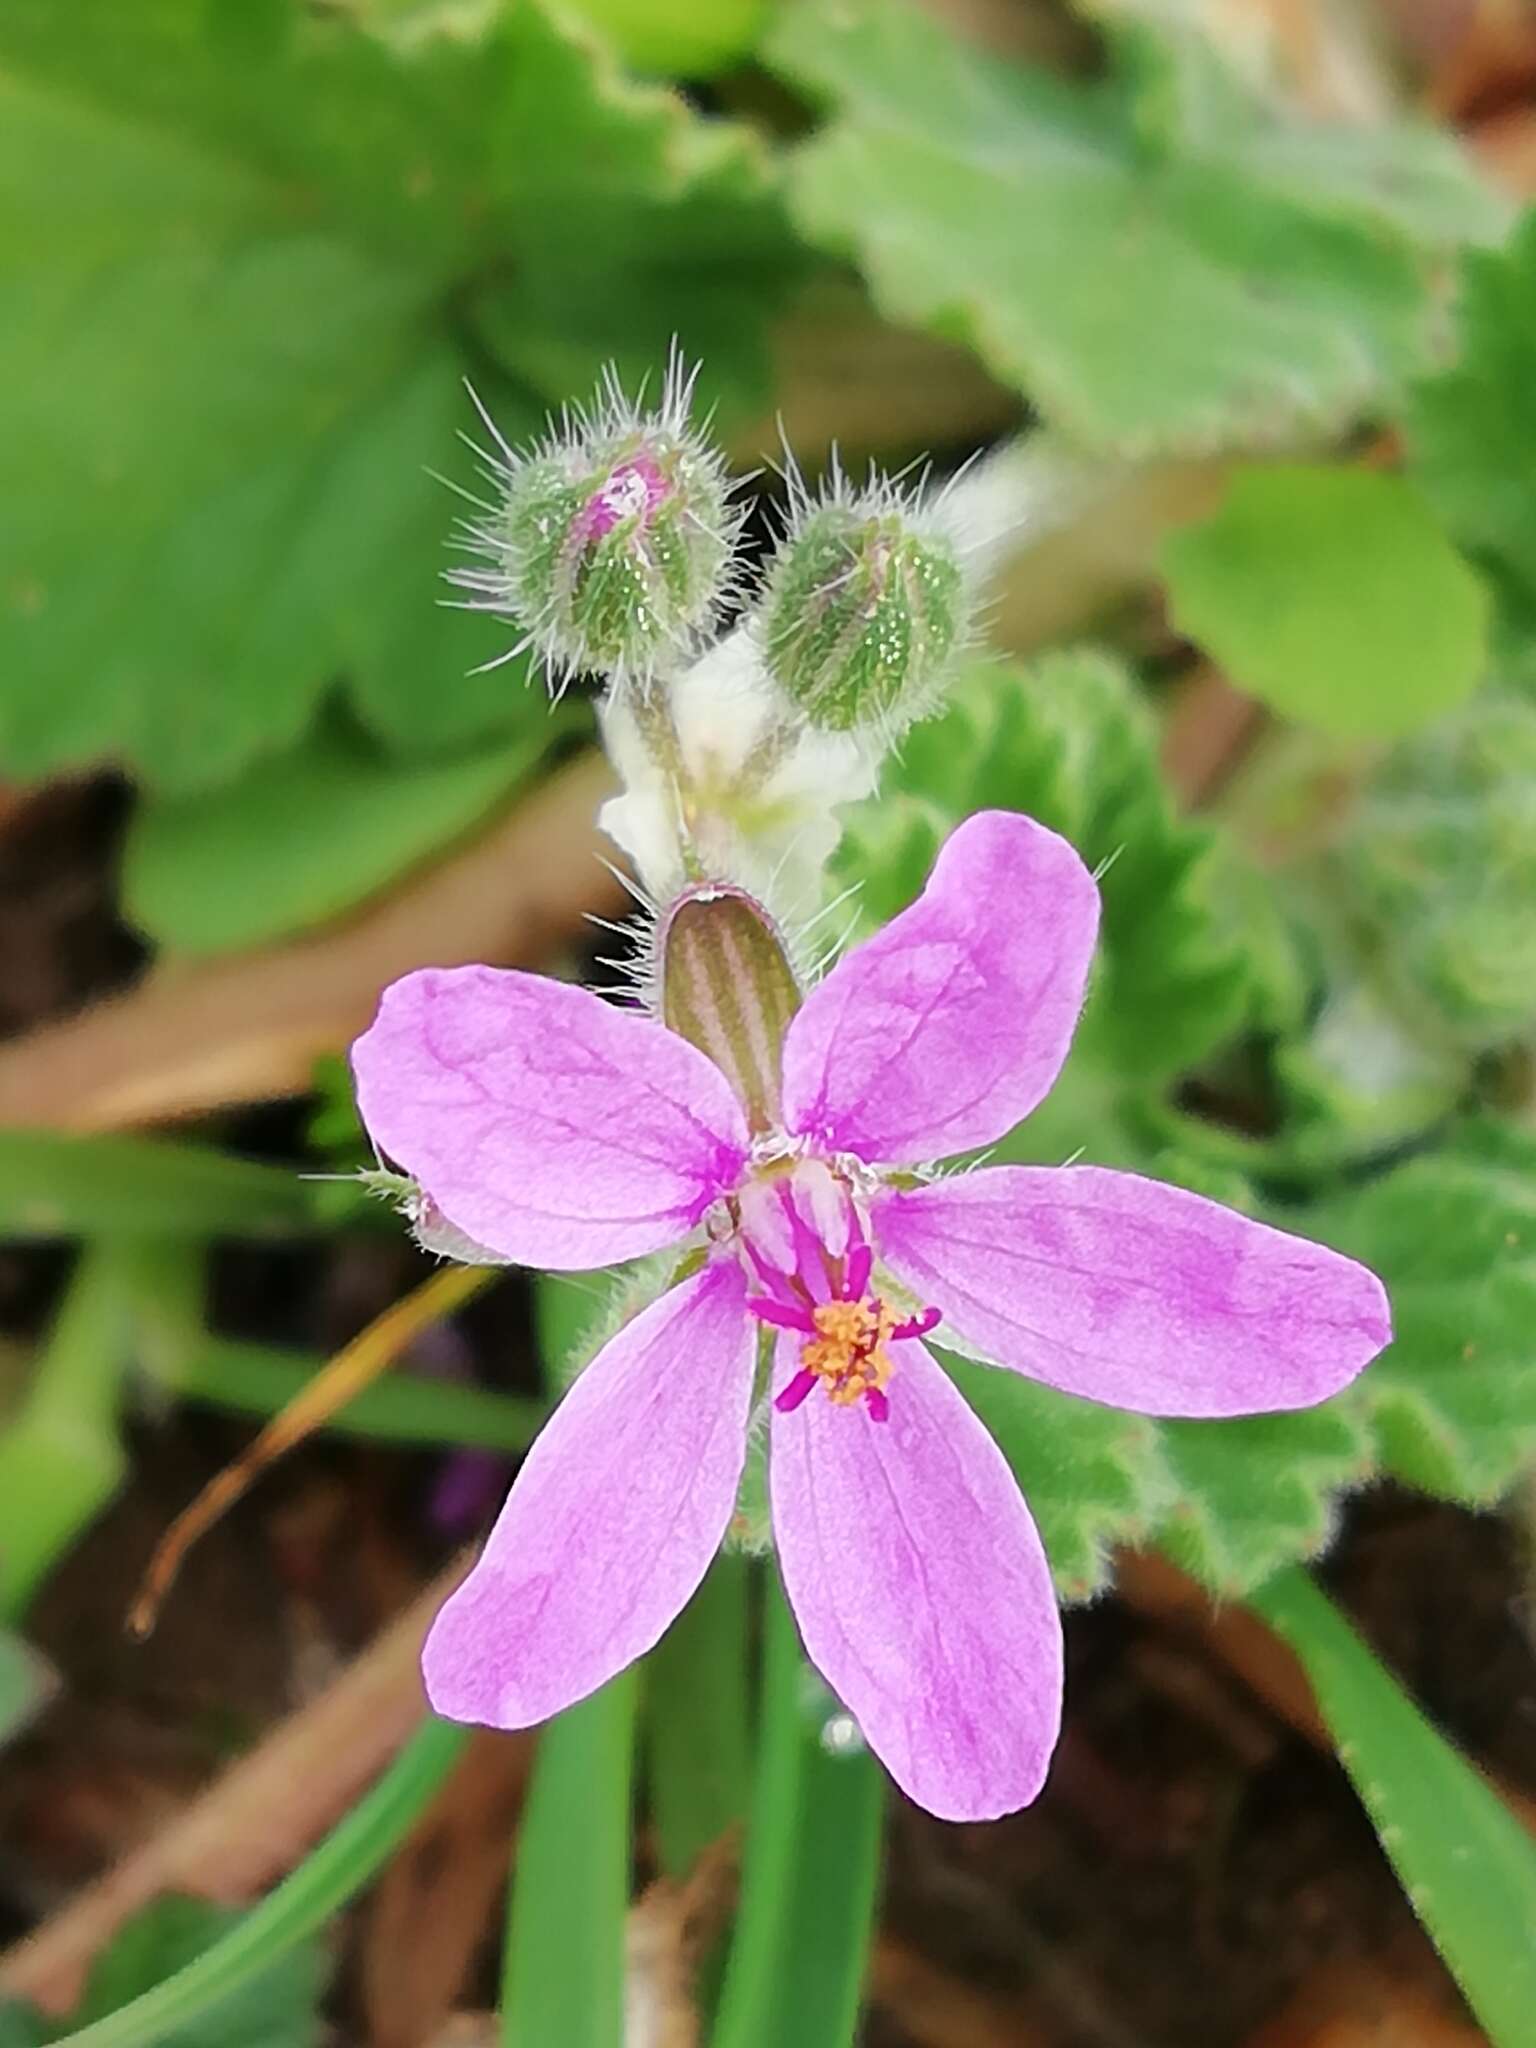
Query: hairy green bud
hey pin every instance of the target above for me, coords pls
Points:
(611, 542)
(866, 605)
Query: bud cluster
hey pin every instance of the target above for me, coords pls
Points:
(612, 545)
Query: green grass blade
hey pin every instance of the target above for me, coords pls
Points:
(325, 1880)
(563, 1976)
(1466, 1863)
(697, 1720)
(54, 1185)
(403, 1407)
(61, 1460)
(797, 1962)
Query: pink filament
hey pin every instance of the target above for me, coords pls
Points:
(795, 1393)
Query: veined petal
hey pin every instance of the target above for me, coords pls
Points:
(944, 1029)
(544, 1123)
(614, 1518)
(1133, 1293)
(921, 1589)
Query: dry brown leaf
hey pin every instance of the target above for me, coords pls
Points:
(336, 1383)
(202, 1037)
(1401, 2001)
(1248, 1646)
(843, 375)
(256, 1821)
(1506, 149)
(438, 1899)
(669, 1930)
(467, 2030)
(938, 2010)
(1481, 54)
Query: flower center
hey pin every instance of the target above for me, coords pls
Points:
(804, 1242)
(847, 1353)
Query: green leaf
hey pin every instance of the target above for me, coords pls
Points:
(403, 1407)
(1200, 78)
(1067, 741)
(698, 1733)
(304, 836)
(277, 2008)
(1094, 1477)
(1333, 596)
(1435, 871)
(289, 1914)
(1466, 1863)
(1258, 1491)
(55, 1185)
(1472, 429)
(1452, 1401)
(563, 1976)
(677, 35)
(798, 1957)
(1148, 284)
(246, 282)
(1451, 1406)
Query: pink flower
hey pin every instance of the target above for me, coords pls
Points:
(560, 1131)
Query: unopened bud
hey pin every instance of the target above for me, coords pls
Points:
(612, 543)
(864, 609)
(728, 988)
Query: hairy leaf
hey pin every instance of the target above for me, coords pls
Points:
(1151, 281)
(1094, 1477)
(244, 285)
(1187, 956)
(1472, 429)
(1452, 1403)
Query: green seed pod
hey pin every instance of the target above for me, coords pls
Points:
(1442, 865)
(865, 608)
(611, 545)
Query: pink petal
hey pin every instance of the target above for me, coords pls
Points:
(944, 1029)
(614, 1518)
(921, 1589)
(544, 1123)
(1133, 1293)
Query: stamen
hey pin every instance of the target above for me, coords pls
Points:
(810, 1253)
(919, 1325)
(779, 1283)
(861, 1258)
(801, 1385)
(815, 1268)
(782, 1314)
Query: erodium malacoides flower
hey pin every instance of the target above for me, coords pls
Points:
(556, 1130)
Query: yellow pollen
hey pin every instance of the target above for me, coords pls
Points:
(848, 1353)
